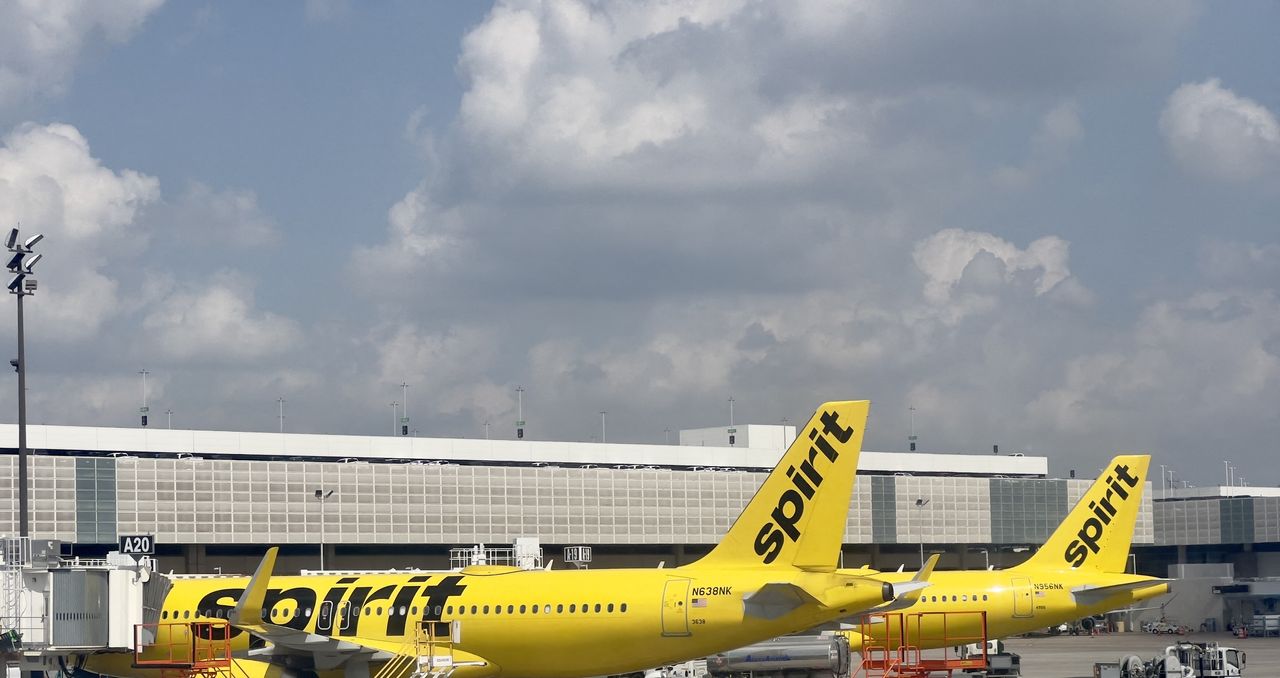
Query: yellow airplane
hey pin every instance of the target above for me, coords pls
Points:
(774, 573)
(1080, 571)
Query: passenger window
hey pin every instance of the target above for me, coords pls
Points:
(964, 598)
(413, 611)
(597, 607)
(573, 608)
(610, 607)
(438, 610)
(450, 609)
(497, 609)
(512, 608)
(486, 609)
(624, 607)
(473, 609)
(522, 609)
(984, 596)
(559, 609)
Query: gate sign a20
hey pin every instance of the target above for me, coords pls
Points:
(138, 544)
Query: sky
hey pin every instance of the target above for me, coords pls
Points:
(1047, 226)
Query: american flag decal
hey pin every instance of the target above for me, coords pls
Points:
(699, 602)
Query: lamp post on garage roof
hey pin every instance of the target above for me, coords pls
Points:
(20, 264)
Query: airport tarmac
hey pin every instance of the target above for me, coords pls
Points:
(1074, 656)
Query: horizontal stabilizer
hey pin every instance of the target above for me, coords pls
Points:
(776, 599)
(1091, 594)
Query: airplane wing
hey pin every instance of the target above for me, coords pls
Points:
(326, 652)
(1090, 594)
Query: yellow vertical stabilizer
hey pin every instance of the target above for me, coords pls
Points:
(1098, 531)
(797, 517)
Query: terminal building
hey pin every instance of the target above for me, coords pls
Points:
(214, 500)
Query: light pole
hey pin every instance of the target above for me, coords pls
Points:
(169, 413)
(404, 402)
(519, 412)
(142, 411)
(20, 285)
(731, 411)
(603, 438)
(921, 502)
(321, 496)
(395, 414)
(280, 402)
(911, 427)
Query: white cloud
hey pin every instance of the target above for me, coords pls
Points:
(1226, 260)
(40, 41)
(945, 256)
(50, 183)
(1209, 357)
(1213, 131)
(218, 323)
(1060, 130)
(230, 217)
(444, 369)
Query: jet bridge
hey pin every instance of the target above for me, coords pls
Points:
(52, 606)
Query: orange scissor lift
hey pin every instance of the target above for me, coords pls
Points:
(200, 649)
(898, 653)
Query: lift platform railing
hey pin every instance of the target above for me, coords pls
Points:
(892, 643)
(183, 649)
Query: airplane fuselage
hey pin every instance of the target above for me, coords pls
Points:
(1015, 601)
(598, 621)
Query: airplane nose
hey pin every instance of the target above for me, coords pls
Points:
(886, 591)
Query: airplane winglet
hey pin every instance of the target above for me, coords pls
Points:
(248, 610)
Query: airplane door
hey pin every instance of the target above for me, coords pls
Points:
(1021, 597)
(675, 608)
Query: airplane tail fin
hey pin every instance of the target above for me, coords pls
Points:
(1098, 531)
(797, 517)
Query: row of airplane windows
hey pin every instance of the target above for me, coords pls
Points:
(461, 610)
(964, 598)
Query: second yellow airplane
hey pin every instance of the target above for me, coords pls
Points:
(1080, 571)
